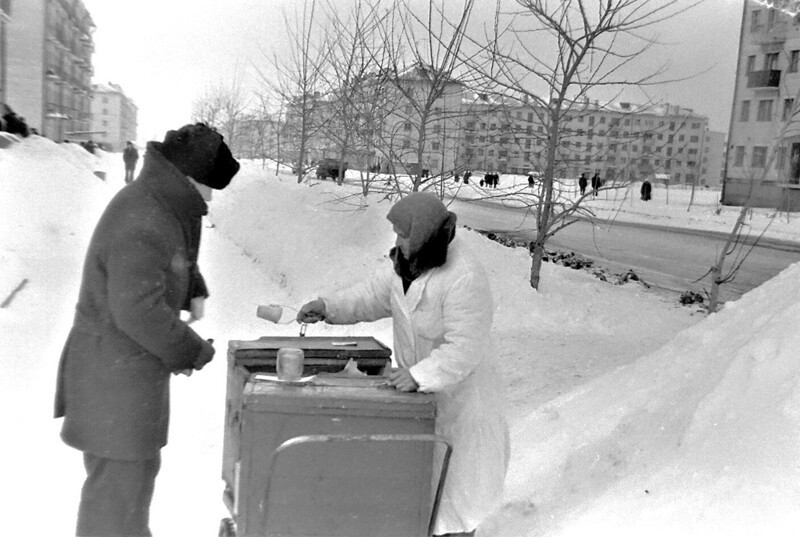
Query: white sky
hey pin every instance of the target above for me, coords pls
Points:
(164, 53)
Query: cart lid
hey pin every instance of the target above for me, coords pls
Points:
(313, 347)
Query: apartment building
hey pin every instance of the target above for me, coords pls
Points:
(762, 166)
(49, 66)
(620, 141)
(5, 18)
(421, 122)
(114, 117)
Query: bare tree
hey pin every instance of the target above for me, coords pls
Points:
(354, 84)
(426, 77)
(296, 80)
(553, 55)
(737, 246)
(223, 107)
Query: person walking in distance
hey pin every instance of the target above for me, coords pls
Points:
(130, 156)
(128, 337)
(582, 182)
(596, 183)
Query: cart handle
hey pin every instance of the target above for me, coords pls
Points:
(319, 438)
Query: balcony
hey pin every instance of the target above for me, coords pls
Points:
(769, 78)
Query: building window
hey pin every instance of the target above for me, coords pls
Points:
(738, 156)
(780, 162)
(755, 20)
(406, 144)
(435, 146)
(744, 111)
(771, 61)
(764, 110)
(759, 156)
(406, 126)
(694, 138)
(788, 104)
(794, 59)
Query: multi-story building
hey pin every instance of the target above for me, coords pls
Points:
(762, 166)
(114, 117)
(421, 122)
(5, 17)
(620, 141)
(49, 67)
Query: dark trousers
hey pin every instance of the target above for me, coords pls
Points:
(115, 500)
(129, 174)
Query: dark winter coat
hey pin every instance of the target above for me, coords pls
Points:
(646, 191)
(130, 156)
(127, 337)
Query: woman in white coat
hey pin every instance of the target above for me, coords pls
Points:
(440, 302)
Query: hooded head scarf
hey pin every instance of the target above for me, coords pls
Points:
(422, 218)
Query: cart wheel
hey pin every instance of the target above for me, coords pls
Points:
(227, 528)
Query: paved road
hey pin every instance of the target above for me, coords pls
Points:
(670, 259)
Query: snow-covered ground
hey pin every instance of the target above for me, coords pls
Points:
(628, 413)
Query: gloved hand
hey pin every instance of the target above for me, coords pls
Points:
(206, 354)
(312, 311)
(197, 308)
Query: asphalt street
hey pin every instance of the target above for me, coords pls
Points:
(671, 259)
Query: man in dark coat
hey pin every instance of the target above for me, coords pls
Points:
(582, 183)
(646, 190)
(128, 337)
(130, 156)
(596, 184)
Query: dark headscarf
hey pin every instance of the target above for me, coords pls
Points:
(429, 226)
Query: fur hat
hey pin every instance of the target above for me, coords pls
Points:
(200, 152)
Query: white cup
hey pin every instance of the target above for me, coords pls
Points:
(271, 313)
(290, 363)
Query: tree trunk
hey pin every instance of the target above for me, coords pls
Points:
(537, 253)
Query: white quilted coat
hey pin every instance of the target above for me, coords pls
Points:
(441, 332)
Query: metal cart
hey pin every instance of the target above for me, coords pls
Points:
(336, 457)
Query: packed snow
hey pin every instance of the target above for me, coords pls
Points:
(628, 412)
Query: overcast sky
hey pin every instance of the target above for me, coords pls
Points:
(164, 53)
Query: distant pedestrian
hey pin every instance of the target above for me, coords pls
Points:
(582, 182)
(646, 190)
(596, 183)
(495, 180)
(130, 156)
(457, 178)
(531, 180)
(467, 175)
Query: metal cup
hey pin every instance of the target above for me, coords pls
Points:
(290, 363)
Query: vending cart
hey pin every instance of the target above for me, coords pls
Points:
(338, 453)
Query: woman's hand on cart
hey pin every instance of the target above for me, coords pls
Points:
(402, 380)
